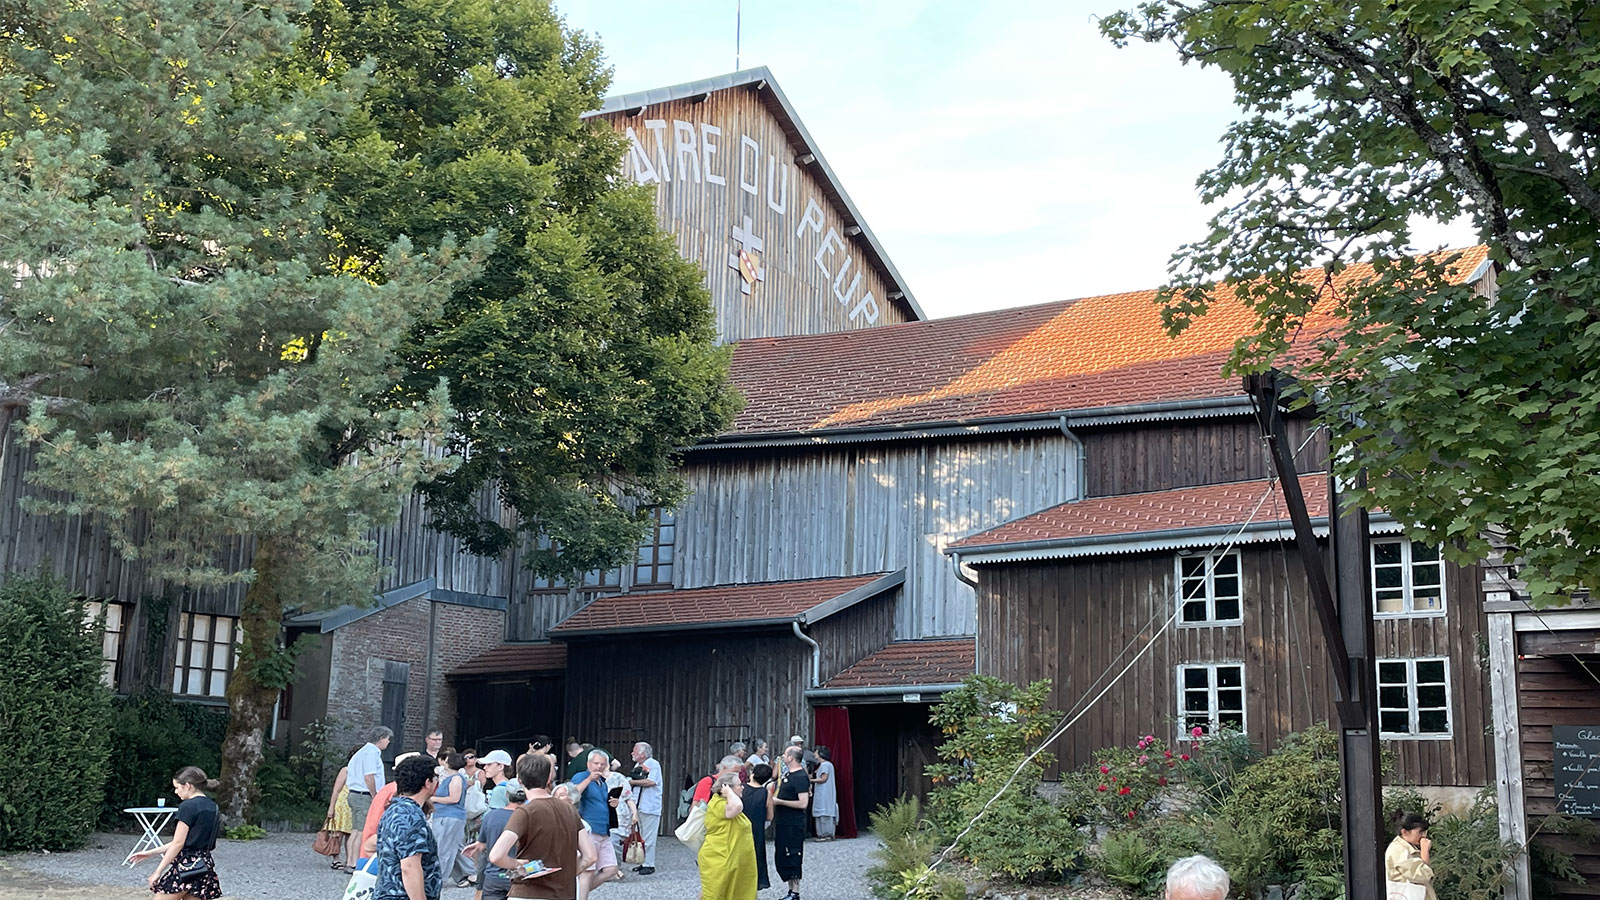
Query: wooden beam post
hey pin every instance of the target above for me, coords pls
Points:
(1508, 748)
(1361, 769)
(1347, 634)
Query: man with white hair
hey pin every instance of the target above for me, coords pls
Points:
(1196, 878)
(649, 799)
(589, 789)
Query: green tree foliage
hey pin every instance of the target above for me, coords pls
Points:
(1476, 415)
(53, 716)
(156, 736)
(582, 358)
(200, 364)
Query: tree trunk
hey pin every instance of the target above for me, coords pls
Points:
(250, 703)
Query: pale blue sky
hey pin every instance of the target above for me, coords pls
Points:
(1004, 154)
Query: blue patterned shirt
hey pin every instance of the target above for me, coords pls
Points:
(403, 832)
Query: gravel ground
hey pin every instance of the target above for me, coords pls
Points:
(282, 867)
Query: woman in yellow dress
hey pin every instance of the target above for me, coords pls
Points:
(1406, 860)
(339, 819)
(727, 858)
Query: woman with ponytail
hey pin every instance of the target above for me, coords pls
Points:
(186, 869)
(1406, 863)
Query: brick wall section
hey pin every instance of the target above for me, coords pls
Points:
(400, 634)
(463, 633)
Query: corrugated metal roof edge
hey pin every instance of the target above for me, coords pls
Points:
(1139, 542)
(758, 76)
(1161, 411)
(805, 617)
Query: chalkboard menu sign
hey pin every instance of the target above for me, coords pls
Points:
(1577, 770)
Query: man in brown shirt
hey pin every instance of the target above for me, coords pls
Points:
(545, 828)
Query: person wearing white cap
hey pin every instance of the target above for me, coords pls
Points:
(496, 768)
(806, 756)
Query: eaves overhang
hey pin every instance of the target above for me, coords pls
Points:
(1198, 537)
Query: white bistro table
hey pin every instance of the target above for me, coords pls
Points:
(152, 819)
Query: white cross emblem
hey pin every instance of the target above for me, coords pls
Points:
(745, 260)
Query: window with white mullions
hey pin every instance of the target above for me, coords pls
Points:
(1407, 579)
(205, 657)
(1414, 698)
(1209, 590)
(1210, 697)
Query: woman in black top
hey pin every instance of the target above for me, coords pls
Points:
(186, 869)
(758, 809)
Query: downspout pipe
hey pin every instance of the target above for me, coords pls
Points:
(964, 578)
(1080, 489)
(816, 654)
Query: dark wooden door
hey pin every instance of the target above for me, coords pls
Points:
(507, 713)
(396, 676)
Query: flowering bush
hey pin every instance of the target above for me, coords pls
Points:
(1122, 785)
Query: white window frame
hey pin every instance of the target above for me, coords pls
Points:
(1408, 608)
(1412, 711)
(209, 666)
(1213, 713)
(1211, 619)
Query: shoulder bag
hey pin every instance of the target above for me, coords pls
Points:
(328, 842)
(693, 830)
(633, 847)
(194, 867)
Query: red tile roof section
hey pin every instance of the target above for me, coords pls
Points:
(1073, 354)
(1218, 505)
(516, 658)
(728, 604)
(911, 663)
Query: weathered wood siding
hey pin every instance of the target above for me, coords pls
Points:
(811, 262)
(1070, 621)
(843, 511)
(689, 696)
(1159, 456)
(1553, 691)
(850, 636)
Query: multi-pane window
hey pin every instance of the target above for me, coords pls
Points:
(1208, 590)
(1407, 579)
(596, 580)
(206, 647)
(653, 568)
(111, 644)
(1211, 697)
(1414, 698)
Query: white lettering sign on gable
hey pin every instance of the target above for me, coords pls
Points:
(695, 152)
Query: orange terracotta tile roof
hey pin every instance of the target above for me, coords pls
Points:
(713, 607)
(1069, 355)
(545, 657)
(910, 664)
(1131, 515)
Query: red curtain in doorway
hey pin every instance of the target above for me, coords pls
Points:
(833, 732)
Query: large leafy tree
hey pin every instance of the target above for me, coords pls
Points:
(582, 358)
(199, 365)
(1475, 415)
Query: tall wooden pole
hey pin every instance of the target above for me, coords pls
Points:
(1346, 624)
(1360, 773)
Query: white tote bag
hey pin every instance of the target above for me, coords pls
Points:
(693, 830)
(1403, 890)
(363, 882)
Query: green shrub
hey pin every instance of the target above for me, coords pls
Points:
(991, 726)
(245, 832)
(1119, 788)
(1128, 860)
(1248, 849)
(154, 737)
(1181, 834)
(1469, 860)
(1550, 867)
(1292, 795)
(1208, 767)
(54, 710)
(909, 842)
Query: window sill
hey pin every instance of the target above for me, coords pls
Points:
(200, 700)
(1224, 623)
(1412, 615)
(1386, 736)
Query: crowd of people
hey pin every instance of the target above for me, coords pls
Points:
(448, 816)
(538, 828)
